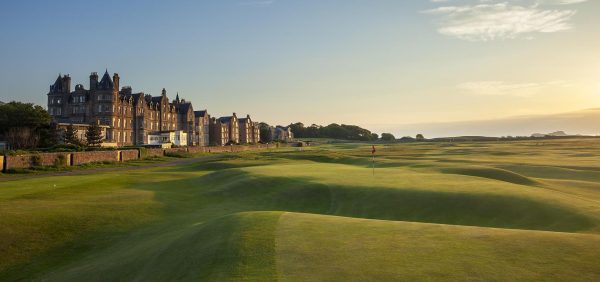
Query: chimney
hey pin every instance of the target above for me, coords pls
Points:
(93, 81)
(116, 81)
(66, 83)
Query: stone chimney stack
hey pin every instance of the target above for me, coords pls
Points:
(66, 83)
(93, 81)
(116, 81)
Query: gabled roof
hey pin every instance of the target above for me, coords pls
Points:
(106, 82)
(200, 113)
(225, 119)
(156, 99)
(185, 107)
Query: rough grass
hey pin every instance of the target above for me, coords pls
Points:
(466, 211)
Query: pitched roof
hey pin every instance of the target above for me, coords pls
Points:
(57, 86)
(225, 119)
(200, 113)
(156, 99)
(185, 107)
(106, 82)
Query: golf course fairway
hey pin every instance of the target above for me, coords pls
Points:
(504, 211)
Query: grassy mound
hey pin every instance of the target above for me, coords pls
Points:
(304, 195)
(315, 214)
(349, 249)
(492, 173)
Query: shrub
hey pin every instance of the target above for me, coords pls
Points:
(60, 160)
(36, 160)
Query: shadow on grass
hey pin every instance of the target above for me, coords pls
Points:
(240, 191)
(492, 173)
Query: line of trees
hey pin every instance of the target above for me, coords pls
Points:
(334, 130)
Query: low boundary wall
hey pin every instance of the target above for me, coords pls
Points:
(80, 158)
(9, 162)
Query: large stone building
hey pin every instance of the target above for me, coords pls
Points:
(129, 118)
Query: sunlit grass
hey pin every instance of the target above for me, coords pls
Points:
(454, 211)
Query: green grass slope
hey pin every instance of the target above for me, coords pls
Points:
(350, 249)
(464, 211)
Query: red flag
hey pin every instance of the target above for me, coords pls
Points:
(373, 150)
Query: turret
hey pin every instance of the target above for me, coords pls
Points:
(106, 83)
(61, 85)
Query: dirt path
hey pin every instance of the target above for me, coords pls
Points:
(83, 171)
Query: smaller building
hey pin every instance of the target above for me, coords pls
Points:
(176, 137)
(246, 128)
(219, 133)
(281, 133)
(81, 129)
(202, 122)
(256, 132)
(233, 129)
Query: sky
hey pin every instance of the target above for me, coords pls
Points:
(378, 64)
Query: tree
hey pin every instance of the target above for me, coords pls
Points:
(70, 136)
(298, 130)
(387, 137)
(93, 135)
(407, 139)
(21, 123)
(265, 133)
(420, 137)
(49, 135)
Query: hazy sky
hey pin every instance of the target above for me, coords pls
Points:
(371, 63)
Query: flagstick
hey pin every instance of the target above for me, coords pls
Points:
(373, 164)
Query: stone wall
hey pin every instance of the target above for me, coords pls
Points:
(128, 155)
(196, 149)
(80, 158)
(41, 159)
(176, 150)
(153, 152)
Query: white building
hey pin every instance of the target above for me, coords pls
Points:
(177, 138)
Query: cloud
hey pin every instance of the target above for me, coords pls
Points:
(505, 20)
(498, 88)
